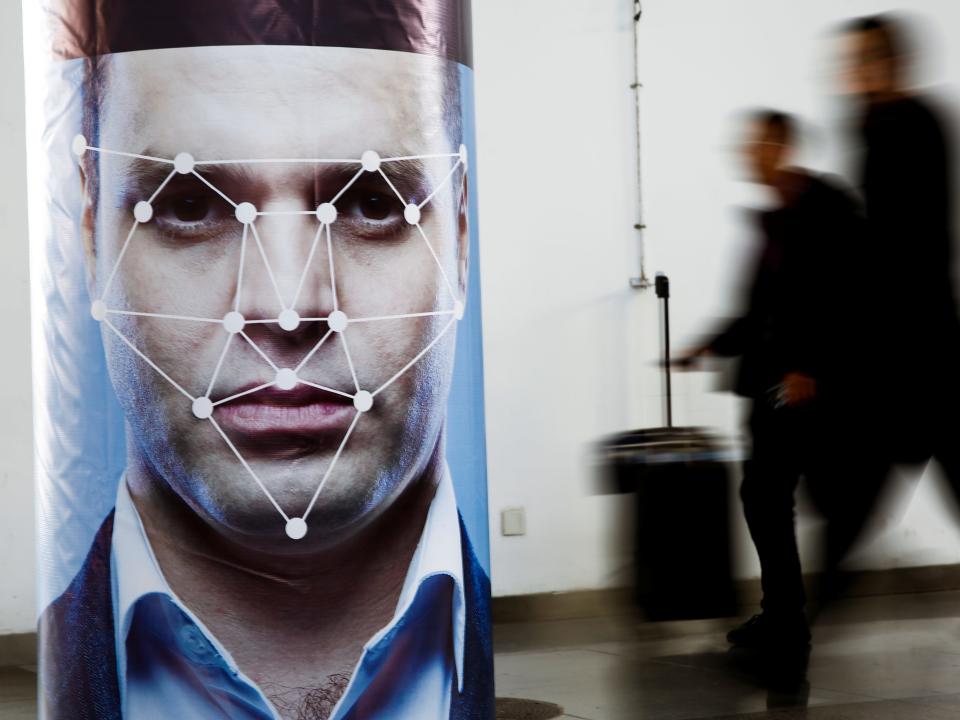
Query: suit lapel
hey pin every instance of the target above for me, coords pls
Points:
(78, 659)
(78, 663)
(476, 700)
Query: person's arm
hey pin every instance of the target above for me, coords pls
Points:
(822, 287)
(727, 343)
(732, 339)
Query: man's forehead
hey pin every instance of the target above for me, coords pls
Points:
(256, 100)
(866, 40)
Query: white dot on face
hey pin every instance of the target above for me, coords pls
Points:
(296, 528)
(463, 154)
(143, 211)
(183, 163)
(202, 408)
(289, 320)
(326, 213)
(98, 310)
(79, 145)
(370, 161)
(363, 401)
(233, 322)
(286, 379)
(337, 321)
(246, 213)
(411, 213)
(458, 309)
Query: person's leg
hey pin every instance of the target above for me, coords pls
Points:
(849, 464)
(769, 481)
(846, 495)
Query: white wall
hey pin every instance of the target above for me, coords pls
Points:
(16, 474)
(562, 329)
(567, 345)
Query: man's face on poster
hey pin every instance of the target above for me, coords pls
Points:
(279, 103)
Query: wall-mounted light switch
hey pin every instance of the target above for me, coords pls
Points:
(513, 521)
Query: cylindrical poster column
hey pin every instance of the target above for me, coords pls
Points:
(260, 450)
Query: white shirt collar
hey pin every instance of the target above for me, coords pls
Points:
(136, 572)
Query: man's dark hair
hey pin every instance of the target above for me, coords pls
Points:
(92, 97)
(888, 28)
(780, 126)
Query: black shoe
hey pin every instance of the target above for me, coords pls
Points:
(771, 632)
(750, 634)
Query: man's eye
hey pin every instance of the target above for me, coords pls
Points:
(191, 212)
(375, 206)
(372, 212)
(190, 209)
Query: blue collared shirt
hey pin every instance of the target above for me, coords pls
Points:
(171, 666)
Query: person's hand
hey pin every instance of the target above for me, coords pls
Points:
(690, 359)
(797, 389)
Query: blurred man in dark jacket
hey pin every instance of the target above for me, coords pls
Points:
(911, 333)
(786, 342)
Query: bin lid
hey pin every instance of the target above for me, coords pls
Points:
(669, 445)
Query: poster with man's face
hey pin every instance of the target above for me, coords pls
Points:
(260, 440)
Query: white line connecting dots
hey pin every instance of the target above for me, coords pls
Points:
(234, 324)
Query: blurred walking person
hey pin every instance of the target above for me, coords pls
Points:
(785, 342)
(908, 329)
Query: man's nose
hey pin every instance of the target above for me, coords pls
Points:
(286, 288)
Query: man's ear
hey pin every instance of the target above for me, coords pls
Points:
(463, 237)
(88, 214)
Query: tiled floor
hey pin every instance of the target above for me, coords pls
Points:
(892, 658)
(18, 688)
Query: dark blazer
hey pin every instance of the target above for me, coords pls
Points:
(78, 661)
(798, 306)
(909, 190)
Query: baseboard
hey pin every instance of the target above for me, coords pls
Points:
(619, 601)
(21, 648)
(561, 605)
(18, 649)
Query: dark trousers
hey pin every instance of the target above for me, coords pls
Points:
(860, 458)
(782, 451)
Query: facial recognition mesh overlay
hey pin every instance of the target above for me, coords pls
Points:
(257, 356)
(285, 380)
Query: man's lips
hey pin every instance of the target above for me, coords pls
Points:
(301, 411)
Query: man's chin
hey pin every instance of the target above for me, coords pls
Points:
(255, 523)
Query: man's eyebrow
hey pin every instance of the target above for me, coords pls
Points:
(405, 169)
(145, 178)
(409, 175)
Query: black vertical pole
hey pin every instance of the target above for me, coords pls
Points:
(663, 292)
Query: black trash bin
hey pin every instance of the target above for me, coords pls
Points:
(680, 480)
